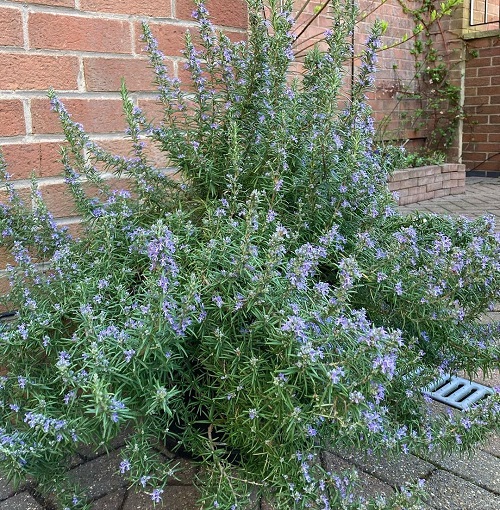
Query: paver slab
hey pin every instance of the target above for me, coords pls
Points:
(449, 492)
(100, 476)
(369, 485)
(481, 468)
(21, 501)
(395, 471)
(6, 488)
(112, 501)
(175, 497)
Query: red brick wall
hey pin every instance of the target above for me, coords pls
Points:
(481, 137)
(83, 48)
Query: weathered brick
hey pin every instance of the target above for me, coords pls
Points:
(58, 200)
(56, 3)
(11, 118)
(96, 115)
(231, 14)
(170, 37)
(38, 72)
(106, 74)
(157, 8)
(11, 28)
(61, 32)
(42, 159)
(434, 186)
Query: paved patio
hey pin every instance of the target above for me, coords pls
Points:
(453, 483)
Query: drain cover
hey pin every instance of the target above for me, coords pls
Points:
(457, 392)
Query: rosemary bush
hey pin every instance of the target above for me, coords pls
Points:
(266, 303)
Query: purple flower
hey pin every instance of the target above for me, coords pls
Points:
(336, 374)
(218, 301)
(311, 431)
(398, 288)
(156, 495)
(124, 466)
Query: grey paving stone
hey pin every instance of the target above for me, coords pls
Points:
(91, 452)
(175, 497)
(100, 476)
(492, 446)
(449, 492)
(395, 471)
(21, 501)
(112, 501)
(481, 468)
(369, 485)
(6, 488)
(186, 473)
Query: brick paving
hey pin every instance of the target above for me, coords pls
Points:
(453, 482)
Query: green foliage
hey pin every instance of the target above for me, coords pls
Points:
(267, 303)
(440, 108)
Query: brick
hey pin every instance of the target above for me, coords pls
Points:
(478, 81)
(479, 62)
(423, 181)
(169, 35)
(152, 109)
(475, 137)
(58, 200)
(96, 115)
(23, 193)
(157, 8)
(494, 119)
(38, 72)
(458, 190)
(123, 148)
(231, 14)
(488, 71)
(106, 74)
(11, 118)
(493, 90)
(40, 158)
(434, 186)
(488, 52)
(441, 193)
(6, 258)
(61, 32)
(11, 27)
(400, 175)
(56, 3)
(477, 100)
(487, 109)
(494, 137)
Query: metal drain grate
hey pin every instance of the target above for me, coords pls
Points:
(457, 392)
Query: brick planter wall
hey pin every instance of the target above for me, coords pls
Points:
(426, 182)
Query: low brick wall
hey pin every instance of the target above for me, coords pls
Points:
(426, 182)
